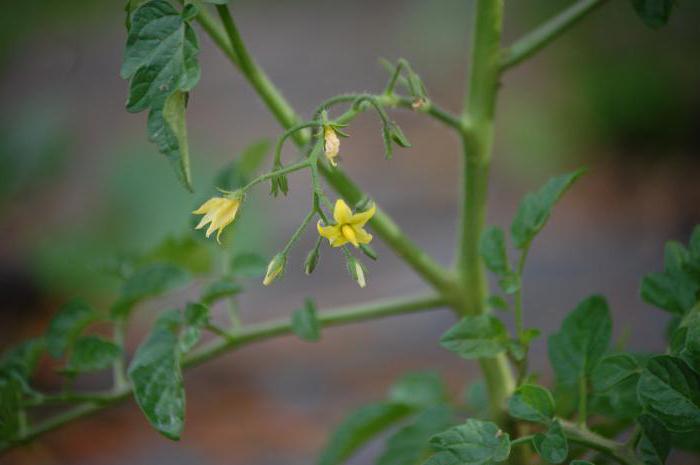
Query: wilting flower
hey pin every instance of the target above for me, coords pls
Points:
(219, 212)
(348, 227)
(331, 144)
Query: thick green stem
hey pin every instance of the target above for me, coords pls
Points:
(477, 138)
(615, 450)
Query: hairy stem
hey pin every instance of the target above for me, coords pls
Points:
(93, 402)
(615, 450)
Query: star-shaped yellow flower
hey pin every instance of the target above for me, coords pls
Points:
(219, 212)
(348, 227)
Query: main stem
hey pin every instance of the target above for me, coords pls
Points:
(477, 139)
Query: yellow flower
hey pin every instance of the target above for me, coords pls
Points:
(219, 212)
(331, 144)
(348, 227)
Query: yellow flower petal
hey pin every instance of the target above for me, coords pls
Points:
(360, 219)
(349, 234)
(208, 205)
(342, 213)
(363, 237)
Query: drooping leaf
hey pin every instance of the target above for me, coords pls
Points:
(148, 281)
(614, 369)
(475, 442)
(534, 210)
(161, 64)
(655, 442)
(492, 248)
(220, 289)
(581, 342)
(552, 445)
(532, 403)
(669, 390)
(305, 322)
(360, 427)
(157, 377)
(476, 336)
(67, 324)
(91, 353)
(654, 13)
(419, 390)
(409, 445)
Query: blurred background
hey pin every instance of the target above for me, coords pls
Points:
(80, 187)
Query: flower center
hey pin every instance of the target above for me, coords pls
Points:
(348, 233)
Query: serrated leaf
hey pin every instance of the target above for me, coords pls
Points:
(220, 289)
(669, 390)
(532, 403)
(305, 322)
(91, 353)
(535, 208)
(476, 336)
(654, 13)
(197, 315)
(475, 442)
(67, 324)
(157, 377)
(492, 248)
(685, 342)
(146, 282)
(249, 265)
(161, 64)
(614, 369)
(582, 341)
(655, 442)
(419, 390)
(409, 445)
(672, 290)
(496, 302)
(552, 445)
(360, 427)
(619, 402)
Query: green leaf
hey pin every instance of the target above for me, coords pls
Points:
(654, 13)
(184, 251)
(305, 322)
(409, 445)
(672, 290)
(476, 397)
(655, 442)
(148, 281)
(249, 265)
(22, 359)
(67, 324)
(157, 377)
(670, 390)
(552, 445)
(619, 402)
(582, 340)
(614, 369)
(360, 427)
(475, 442)
(581, 462)
(91, 353)
(161, 64)
(220, 289)
(10, 407)
(216, 2)
(685, 342)
(197, 315)
(496, 302)
(476, 336)
(419, 390)
(510, 283)
(535, 208)
(532, 403)
(492, 248)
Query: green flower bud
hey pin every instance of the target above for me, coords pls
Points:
(275, 267)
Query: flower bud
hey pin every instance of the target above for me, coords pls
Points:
(274, 268)
(356, 270)
(312, 259)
